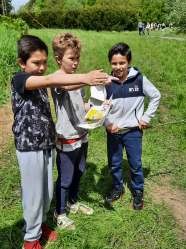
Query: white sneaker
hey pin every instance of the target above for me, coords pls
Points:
(80, 207)
(64, 222)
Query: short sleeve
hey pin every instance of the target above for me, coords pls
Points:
(19, 81)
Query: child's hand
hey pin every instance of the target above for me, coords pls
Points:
(96, 77)
(143, 125)
(106, 104)
(112, 128)
(110, 78)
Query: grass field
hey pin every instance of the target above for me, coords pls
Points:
(164, 152)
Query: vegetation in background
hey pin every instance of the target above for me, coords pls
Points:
(17, 24)
(10, 30)
(98, 15)
(164, 150)
(178, 15)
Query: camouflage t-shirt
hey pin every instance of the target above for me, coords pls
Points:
(33, 126)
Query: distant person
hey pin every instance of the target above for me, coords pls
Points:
(170, 25)
(34, 133)
(126, 121)
(147, 28)
(159, 26)
(140, 28)
(163, 25)
(152, 26)
(143, 29)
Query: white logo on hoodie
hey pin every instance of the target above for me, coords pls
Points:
(134, 89)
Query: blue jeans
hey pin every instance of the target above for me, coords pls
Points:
(132, 142)
(70, 167)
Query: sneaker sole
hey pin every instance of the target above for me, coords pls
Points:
(69, 227)
(138, 207)
(119, 199)
(81, 209)
(90, 212)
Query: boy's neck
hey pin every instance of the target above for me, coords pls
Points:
(62, 70)
(123, 79)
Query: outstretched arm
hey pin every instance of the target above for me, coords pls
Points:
(73, 87)
(59, 79)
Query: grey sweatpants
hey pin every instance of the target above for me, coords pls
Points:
(37, 189)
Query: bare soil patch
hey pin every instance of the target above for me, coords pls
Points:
(175, 199)
(6, 119)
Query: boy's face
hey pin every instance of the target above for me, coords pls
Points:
(36, 64)
(70, 61)
(119, 64)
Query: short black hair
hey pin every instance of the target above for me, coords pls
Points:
(120, 48)
(28, 44)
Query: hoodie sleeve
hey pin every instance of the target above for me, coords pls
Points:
(154, 96)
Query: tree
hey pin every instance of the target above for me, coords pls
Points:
(152, 10)
(178, 15)
(5, 7)
(72, 4)
(38, 6)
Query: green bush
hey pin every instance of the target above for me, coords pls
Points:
(15, 23)
(87, 18)
(179, 15)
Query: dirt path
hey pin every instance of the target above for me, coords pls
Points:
(173, 38)
(175, 199)
(170, 38)
(6, 118)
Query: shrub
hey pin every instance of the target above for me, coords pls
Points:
(11, 22)
(87, 18)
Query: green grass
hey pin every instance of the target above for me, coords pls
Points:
(7, 60)
(154, 227)
(164, 150)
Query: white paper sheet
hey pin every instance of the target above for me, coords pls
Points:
(98, 92)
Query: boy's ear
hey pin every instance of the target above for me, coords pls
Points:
(58, 60)
(21, 63)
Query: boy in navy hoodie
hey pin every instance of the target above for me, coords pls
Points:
(126, 121)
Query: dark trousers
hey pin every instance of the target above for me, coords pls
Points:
(132, 142)
(70, 167)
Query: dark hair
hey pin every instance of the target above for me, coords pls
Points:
(29, 44)
(120, 48)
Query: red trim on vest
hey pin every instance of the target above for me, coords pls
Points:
(69, 141)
